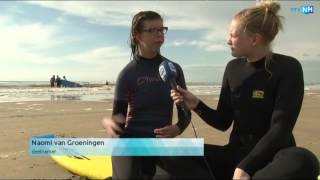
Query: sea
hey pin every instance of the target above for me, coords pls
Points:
(20, 91)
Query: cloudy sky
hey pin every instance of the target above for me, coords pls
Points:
(88, 41)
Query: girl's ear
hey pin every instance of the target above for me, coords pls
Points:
(137, 37)
(257, 39)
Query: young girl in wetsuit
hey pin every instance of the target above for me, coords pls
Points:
(261, 95)
(142, 104)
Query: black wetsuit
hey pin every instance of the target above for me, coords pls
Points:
(263, 102)
(144, 99)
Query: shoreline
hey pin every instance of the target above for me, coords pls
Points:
(97, 94)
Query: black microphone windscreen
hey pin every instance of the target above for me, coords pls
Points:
(167, 71)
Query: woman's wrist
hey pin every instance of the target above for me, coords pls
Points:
(196, 104)
(178, 127)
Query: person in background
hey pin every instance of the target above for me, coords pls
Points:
(52, 81)
(64, 81)
(58, 81)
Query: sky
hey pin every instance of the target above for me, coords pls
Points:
(89, 40)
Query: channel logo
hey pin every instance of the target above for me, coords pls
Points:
(305, 9)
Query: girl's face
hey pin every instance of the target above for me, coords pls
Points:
(241, 43)
(152, 35)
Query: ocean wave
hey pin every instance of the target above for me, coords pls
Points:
(54, 94)
(103, 93)
(91, 93)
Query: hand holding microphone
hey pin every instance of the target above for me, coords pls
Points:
(185, 99)
(180, 96)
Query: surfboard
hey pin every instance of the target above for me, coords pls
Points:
(91, 167)
(66, 83)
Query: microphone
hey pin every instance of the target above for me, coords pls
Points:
(168, 74)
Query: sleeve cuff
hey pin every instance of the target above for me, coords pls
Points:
(248, 167)
(199, 108)
(183, 121)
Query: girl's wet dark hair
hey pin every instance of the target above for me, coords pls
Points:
(137, 26)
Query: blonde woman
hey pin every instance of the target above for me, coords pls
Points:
(261, 96)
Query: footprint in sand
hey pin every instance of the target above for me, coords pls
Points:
(34, 165)
(19, 115)
(16, 154)
(4, 156)
(36, 104)
(87, 109)
(27, 109)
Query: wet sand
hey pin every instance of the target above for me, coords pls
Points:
(20, 121)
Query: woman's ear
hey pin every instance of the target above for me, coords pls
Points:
(257, 39)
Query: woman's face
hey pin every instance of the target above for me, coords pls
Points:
(152, 35)
(240, 42)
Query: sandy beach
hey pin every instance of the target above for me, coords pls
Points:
(73, 118)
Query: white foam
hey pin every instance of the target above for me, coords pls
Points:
(55, 94)
(205, 90)
(19, 103)
(312, 87)
(310, 93)
(105, 93)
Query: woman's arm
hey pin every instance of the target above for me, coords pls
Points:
(222, 117)
(184, 115)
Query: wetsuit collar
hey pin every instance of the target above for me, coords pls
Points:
(140, 58)
(259, 63)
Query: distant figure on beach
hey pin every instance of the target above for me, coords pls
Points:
(58, 81)
(107, 82)
(261, 97)
(63, 81)
(52, 80)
